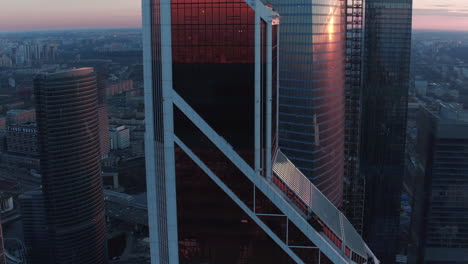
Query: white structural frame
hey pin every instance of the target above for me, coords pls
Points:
(272, 193)
(258, 99)
(149, 128)
(163, 249)
(268, 115)
(239, 202)
(163, 222)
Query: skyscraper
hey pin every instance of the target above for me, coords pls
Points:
(219, 188)
(440, 215)
(312, 90)
(355, 184)
(68, 136)
(2, 249)
(387, 50)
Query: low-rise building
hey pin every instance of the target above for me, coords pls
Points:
(120, 137)
(22, 139)
(17, 116)
(118, 87)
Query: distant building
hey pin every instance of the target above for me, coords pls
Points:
(439, 223)
(119, 137)
(138, 147)
(132, 209)
(413, 109)
(68, 136)
(454, 112)
(20, 161)
(16, 116)
(103, 116)
(8, 191)
(6, 204)
(104, 138)
(115, 88)
(3, 123)
(16, 105)
(421, 87)
(22, 139)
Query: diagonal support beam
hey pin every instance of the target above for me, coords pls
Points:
(271, 193)
(236, 199)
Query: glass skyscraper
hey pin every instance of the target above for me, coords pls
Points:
(354, 188)
(68, 136)
(387, 50)
(440, 216)
(312, 82)
(219, 188)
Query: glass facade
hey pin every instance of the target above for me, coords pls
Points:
(213, 44)
(311, 92)
(68, 136)
(221, 80)
(383, 125)
(440, 218)
(354, 189)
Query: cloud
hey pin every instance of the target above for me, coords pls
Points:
(441, 12)
(459, 11)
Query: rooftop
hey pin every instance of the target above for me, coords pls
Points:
(19, 111)
(78, 72)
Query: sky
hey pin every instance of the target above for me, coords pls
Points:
(27, 15)
(440, 15)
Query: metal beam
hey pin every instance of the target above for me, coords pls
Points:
(272, 193)
(236, 199)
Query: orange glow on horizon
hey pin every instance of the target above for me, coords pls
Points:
(440, 23)
(28, 15)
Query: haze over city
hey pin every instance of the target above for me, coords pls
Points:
(30, 15)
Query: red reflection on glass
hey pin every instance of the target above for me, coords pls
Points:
(212, 32)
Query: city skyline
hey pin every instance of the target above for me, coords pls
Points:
(60, 15)
(234, 131)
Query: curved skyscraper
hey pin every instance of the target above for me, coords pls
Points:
(312, 82)
(68, 133)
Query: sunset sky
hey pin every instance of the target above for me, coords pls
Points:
(25, 15)
(443, 15)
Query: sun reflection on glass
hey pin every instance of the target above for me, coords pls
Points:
(330, 26)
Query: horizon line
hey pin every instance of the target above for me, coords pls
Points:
(139, 28)
(67, 29)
